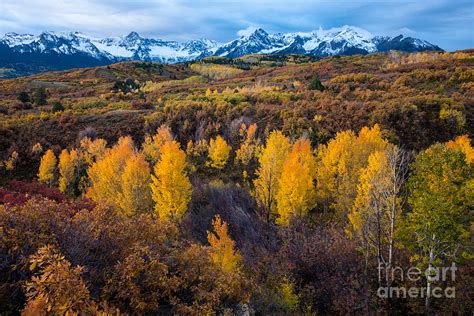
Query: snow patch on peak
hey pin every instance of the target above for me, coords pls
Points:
(13, 39)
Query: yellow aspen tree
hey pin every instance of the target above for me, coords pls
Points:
(369, 140)
(196, 154)
(464, 144)
(152, 145)
(171, 188)
(249, 146)
(46, 171)
(332, 159)
(223, 252)
(105, 175)
(271, 160)
(208, 92)
(370, 212)
(68, 162)
(289, 300)
(92, 150)
(296, 194)
(219, 152)
(339, 165)
(135, 196)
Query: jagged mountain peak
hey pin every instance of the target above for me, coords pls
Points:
(262, 36)
(258, 33)
(133, 35)
(133, 39)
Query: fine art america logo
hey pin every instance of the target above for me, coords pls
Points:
(433, 275)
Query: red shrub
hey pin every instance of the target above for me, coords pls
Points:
(11, 198)
(36, 188)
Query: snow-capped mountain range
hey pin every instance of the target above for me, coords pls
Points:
(62, 50)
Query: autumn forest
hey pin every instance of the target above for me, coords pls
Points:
(265, 184)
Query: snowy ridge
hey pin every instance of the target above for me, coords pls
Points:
(346, 40)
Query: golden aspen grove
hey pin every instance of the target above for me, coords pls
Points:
(255, 185)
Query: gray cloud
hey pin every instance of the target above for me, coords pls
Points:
(447, 23)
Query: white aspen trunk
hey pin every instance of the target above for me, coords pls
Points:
(428, 283)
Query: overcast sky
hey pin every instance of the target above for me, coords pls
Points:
(447, 23)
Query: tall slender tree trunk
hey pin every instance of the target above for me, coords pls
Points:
(392, 224)
(380, 260)
(391, 242)
(366, 277)
(428, 284)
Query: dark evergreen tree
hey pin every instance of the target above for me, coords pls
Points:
(41, 97)
(57, 107)
(23, 97)
(316, 84)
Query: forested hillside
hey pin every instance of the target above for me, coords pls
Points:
(262, 184)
